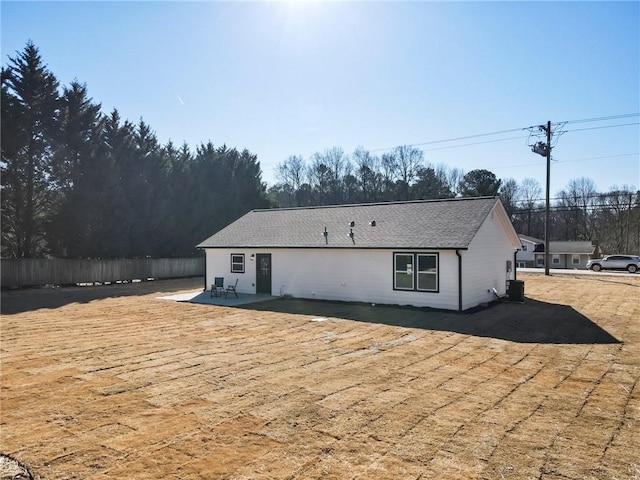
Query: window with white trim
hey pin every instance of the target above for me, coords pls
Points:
(237, 263)
(524, 248)
(556, 260)
(575, 259)
(415, 271)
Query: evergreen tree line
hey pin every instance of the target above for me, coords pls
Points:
(77, 183)
(578, 212)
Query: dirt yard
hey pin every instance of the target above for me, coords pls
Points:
(113, 382)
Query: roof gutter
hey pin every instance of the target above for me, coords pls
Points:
(329, 247)
(205, 271)
(459, 279)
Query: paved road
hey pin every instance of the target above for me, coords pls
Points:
(567, 271)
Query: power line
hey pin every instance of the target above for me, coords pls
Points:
(567, 161)
(467, 137)
(500, 132)
(565, 209)
(602, 119)
(599, 158)
(622, 199)
(474, 143)
(602, 126)
(599, 195)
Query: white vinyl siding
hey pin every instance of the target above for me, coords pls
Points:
(527, 252)
(339, 274)
(369, 275)
(218, 265)
(484, 264)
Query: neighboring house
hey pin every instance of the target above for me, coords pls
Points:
(573, 255)
(447, 254)
(525, 257)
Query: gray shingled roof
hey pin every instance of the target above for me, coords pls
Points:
(531, 239)
(433, 224)
(575, 247)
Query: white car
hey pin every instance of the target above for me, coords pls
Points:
(631, 263)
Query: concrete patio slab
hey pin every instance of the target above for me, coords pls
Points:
(206, 298)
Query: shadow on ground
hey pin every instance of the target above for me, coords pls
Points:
(529, 322)
(29, 299)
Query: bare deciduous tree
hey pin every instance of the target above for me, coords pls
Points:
(530, 191)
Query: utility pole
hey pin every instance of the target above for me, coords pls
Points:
(545, 150)
(628, 218)
(547, 214)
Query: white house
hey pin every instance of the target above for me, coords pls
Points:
(567, 254)
(525, 257)
(447, 254)
(564, 254)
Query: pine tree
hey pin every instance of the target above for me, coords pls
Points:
(480, 183)
(429, 186)
(118, 213)
(29, 121)
(78, 175)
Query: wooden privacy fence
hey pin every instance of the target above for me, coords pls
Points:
(28, 272)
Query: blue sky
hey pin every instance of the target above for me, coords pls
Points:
(298, 77)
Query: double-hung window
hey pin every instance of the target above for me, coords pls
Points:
(403, 278)
(415, 271)
(427, 272)
(237, 263)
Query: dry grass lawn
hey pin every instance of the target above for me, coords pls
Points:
(113, 382)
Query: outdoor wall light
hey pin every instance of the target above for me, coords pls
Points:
(372, 223)
(352, 223)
